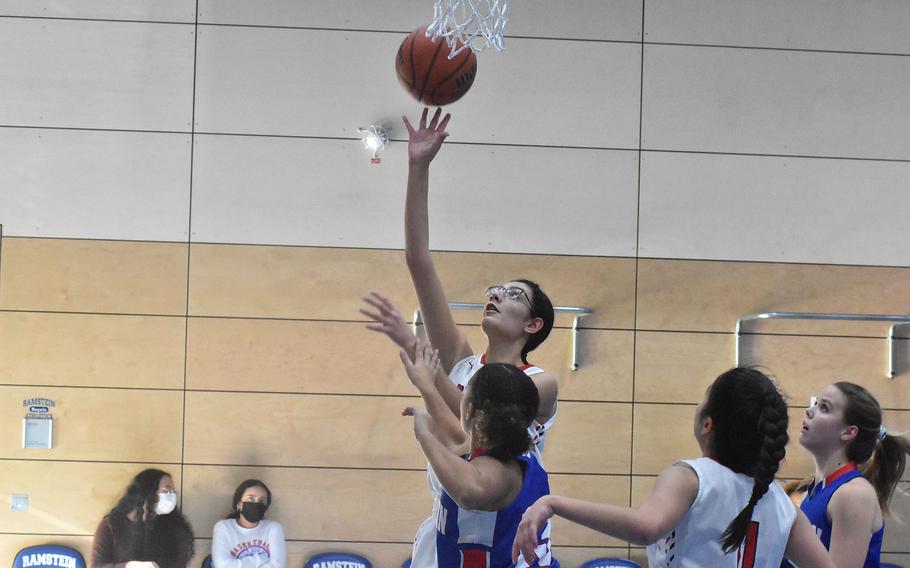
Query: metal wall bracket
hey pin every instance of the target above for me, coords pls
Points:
(895, 320)
(578, 312)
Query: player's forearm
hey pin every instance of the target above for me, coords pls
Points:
(417, 225)
(449, 392)
(448, 426)
(621, 522)
(458, 476)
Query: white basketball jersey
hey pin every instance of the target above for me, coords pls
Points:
(722, 494)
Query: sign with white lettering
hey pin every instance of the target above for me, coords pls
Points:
(338, 560)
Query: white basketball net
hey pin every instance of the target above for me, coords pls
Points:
(477, 24)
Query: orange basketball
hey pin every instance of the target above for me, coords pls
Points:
(426, 72)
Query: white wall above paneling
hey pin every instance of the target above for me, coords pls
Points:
(146, 10)
(88, 74)
(104, 185)
(839, 25)
(776, 102)
(326, 193)
(774, 209)
(326, 83)
(570, 19)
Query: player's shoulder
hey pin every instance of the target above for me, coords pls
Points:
(857, 489)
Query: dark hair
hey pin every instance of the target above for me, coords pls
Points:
(884, 459)
(141, 494)
(165, 538)
(505, 403)
(541, 307)
(238, 495)
(750, 435)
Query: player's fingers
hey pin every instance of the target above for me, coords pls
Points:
(435, 120)
(406, 360)
(407, 124)
(372, 315)
(445, 121)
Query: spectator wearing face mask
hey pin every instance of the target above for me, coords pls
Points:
(145, 529)
(245, 539)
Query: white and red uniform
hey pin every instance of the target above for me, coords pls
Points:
(696, 541)
(423, 554)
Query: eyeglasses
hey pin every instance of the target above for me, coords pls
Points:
(510, 292)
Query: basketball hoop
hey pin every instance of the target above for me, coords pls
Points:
(477, 24)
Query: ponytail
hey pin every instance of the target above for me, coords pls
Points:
(505, 402)
(886, 467)
(883, 456)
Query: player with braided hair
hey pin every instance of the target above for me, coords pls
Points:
(858, 464)
(721, 510)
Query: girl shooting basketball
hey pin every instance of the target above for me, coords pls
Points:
(721, 510)
(490, 480)
(857, 467)
(517, 318)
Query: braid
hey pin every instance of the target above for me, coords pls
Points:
(772, 425)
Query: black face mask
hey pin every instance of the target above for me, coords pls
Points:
(252, 511)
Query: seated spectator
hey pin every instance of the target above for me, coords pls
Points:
(145, 529)
(245, 539)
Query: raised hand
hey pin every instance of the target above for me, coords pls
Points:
(423, 422)
(388, 320)
(425, 141)
(423, 369)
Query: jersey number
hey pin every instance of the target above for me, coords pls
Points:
(749, 545)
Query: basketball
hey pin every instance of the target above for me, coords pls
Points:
(426, 72)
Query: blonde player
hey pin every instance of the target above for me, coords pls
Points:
(857, 467)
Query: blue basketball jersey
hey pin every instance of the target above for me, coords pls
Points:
(815, 506)
(483, 539)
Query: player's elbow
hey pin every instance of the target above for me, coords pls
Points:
(645, 531)
(471, 496)
(417, 260)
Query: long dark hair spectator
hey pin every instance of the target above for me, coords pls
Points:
(141, 494)
(750, 435)
(505, 402)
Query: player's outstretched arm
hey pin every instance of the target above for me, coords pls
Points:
(386, 319)
(422, 371)
(476, 484)
(424, 143)
(673, 495)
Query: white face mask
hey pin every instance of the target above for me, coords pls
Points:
(167, 502)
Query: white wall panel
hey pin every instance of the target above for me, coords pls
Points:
(327, 83)
(156, 10)
(840, 25)
(89, 74)
(760, 101)
(325, 192)
(103, 185)
(774, 209)
(576, 19)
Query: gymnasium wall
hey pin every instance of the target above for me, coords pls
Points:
(189, 221)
